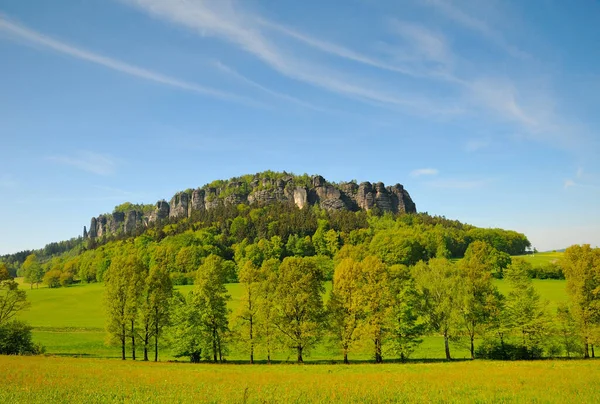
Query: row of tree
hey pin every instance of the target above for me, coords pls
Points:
(372, 302)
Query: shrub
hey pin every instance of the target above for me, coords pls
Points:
(547, 271)
(52, 278)
(180, 278)
(66, 278)
(506, 350)
(15, 339)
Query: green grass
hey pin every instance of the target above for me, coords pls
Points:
(58, 380)
(70, 321)
(540, 259)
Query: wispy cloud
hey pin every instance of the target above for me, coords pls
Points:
(37, 38)
(95, 163)
(468, 21)
(337, 50)
(581, 180)
(238, 76)
(424, 172)
(422, 46)
(227, 21)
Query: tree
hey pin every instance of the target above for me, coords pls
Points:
(121, 298)
(4, 274)
(186, 331)
(299, 304)
(438, 283)
(568, 329)
(250, 276)
(480, 298)
(33, 271)
(266, 311)
(581, 266)
(376, 301)
(12, 300)
(210, 296)
(345, 304)
(405, 327)
(52, 278)
(525, 312)
(154, 310)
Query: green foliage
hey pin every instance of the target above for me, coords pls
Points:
(15, 339)
(298, 303)
(32, 270)
(128, 206)
(210, 297)
(12, 300)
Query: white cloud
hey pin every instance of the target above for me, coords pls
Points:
(37, 38)
(95, 163)
(225, 20)
(422, 45)
(473, 23)
(569, 184)
(424, 171)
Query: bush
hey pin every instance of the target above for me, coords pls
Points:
(52, 278)
(547, 271)
(66, 279)
(180, 278)
(495, 349)
(15, 339)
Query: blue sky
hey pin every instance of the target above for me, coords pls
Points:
(487, 111)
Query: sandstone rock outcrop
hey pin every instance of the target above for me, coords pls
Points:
(259, 190)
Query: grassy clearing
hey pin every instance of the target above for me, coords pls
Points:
(70, 322)
(49, 380)
(540, 259)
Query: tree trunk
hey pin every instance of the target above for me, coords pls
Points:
(146, 341)
(472, 347)
(346, 358)
(586, 349)
(132, 340)
(251, 344)
(300, 360)
(269, 357)
(156, 342)
(593, 355)
(447, 345)
(214, 341)
(123, 348)
(378, 356)
(503, 347)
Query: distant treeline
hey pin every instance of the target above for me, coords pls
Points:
(232, 233)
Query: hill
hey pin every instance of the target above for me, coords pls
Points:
(258, 190)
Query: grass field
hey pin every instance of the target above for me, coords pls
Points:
(540, 259)
(52, 380)
(70, 322)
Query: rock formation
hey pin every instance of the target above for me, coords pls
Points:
(258, 190)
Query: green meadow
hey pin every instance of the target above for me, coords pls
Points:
(70, 322)
(59, 380)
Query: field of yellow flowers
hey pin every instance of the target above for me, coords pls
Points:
(52, 379)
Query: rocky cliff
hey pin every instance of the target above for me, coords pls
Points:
(259, 189)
